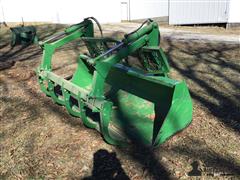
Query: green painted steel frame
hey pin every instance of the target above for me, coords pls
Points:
(89, 91)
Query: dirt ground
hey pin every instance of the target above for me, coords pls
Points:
(40, 140)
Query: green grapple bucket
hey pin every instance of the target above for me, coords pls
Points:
(148, 110)
(126, 103)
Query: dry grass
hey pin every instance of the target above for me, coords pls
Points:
(38, 139)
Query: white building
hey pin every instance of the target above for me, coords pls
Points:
(72, 11)
(204, 11)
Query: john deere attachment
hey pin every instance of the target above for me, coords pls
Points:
(23, 35)
(125, 102)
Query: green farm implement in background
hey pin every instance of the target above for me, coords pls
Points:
(125, 102)
(23, 35)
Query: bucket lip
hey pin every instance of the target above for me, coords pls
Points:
(174, 105)
(163, 80)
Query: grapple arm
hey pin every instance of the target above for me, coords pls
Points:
(70, 34)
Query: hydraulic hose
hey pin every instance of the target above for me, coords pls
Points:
(98, 24)
(146, 21)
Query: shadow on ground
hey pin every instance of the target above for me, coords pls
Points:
(207, 161)
(212, 73)
(107, 166)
